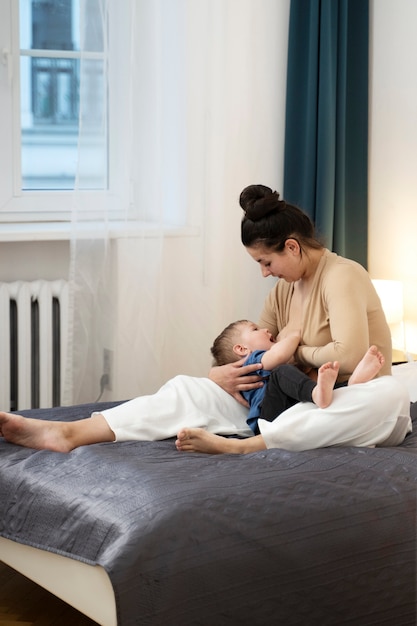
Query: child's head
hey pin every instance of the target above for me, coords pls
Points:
(239, 339)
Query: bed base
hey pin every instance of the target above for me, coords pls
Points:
(85, 587)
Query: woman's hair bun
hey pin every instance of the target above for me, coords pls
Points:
(257, 201)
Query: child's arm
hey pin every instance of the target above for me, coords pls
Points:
(281, 352)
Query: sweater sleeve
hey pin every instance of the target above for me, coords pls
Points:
(345, 297)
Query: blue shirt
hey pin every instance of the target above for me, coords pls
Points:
(255, 396)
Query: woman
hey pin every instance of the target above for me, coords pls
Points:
(333, 301)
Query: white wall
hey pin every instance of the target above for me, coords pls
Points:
(393, 152)
(236, 104)
(30, 260)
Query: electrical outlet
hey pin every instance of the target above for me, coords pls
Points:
(108, 368)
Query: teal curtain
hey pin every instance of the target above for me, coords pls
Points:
(326, 138)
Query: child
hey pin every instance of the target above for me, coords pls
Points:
(286, 383)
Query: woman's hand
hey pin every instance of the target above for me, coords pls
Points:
(234, 378)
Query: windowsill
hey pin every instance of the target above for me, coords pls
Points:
(65, 231)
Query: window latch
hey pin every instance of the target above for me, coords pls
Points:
(6, 59)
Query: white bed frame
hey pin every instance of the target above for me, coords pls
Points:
(85, 587)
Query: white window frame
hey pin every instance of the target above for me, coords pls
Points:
(17, 205)
(50, 210)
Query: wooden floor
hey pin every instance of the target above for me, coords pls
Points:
(23, 603)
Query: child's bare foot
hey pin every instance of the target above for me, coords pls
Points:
(32, 433)
(368, 367)
(326, 378)
(199, 440)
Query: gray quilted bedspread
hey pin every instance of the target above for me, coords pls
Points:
(274, 537)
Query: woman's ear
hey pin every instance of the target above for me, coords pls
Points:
(292, 246)
(240, 350)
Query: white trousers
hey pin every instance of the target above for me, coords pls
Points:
(184, 401)
(368, 414)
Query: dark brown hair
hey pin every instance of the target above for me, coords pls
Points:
(270, 221)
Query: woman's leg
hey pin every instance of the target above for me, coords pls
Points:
(57, 436)
(370, 414)
(199, 440)
(182, 401)
(360, 415)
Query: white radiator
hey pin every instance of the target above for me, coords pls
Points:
(33, 343)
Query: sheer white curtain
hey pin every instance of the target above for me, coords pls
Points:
(195, 92)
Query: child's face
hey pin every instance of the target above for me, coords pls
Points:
(254, 338)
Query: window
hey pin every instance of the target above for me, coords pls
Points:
(45, 61)
(93, 99)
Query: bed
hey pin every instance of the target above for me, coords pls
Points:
(136, 533)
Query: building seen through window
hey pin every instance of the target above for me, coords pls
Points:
(50, 89)
(55, 81)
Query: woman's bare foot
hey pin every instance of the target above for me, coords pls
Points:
(326, 378)
(32, 433)
(57, 436)
(368, 367)
(199, 440)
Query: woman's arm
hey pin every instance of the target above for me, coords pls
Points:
(339, 321)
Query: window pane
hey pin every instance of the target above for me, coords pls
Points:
(51, 149)
(46, 25)
(49, 122)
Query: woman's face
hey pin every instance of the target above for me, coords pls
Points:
(286, 264)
